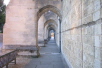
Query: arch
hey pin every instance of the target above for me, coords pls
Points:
(49, 8)
(51, 26)
(50, 21)
(46, 29)
(42, 11)
(49, 29)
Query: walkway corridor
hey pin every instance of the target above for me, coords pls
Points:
(50, 58)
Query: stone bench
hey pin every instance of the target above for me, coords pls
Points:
(30, 48)
(7, 58)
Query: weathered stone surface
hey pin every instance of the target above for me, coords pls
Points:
(21, 21)
(81, 28)
(82, 46)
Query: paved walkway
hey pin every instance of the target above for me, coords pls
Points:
(50, 58)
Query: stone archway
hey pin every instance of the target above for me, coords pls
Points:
(48, 8)
(42, 11)
(50, 27)
(51, 33)
(46, 25)
(50, 21)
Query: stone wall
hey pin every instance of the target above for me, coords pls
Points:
(19, 28)
(21, 18)
(41, 29)
(57, 34)
(82, 33)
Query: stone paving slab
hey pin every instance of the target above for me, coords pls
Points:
(45, 66)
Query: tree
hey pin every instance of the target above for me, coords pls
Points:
(1, 3)
(2, 15)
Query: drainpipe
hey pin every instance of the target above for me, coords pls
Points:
(60, 34)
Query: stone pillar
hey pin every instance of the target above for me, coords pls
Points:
(41, 30)
(20, 25)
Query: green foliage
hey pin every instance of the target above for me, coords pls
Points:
(2, 18)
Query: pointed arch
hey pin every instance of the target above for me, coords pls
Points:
(49, 8)
(51, 26)
(50, 21)
(42, 11)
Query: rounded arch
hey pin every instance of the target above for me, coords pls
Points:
(48, 28)
(50, 21)
(51, 26)
(49, 8)
(49, 32)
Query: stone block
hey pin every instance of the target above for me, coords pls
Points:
(96, 15)
(98, 29)
(98, 53)
(97, 41)
(97, 5)
(88, 61)
(98, 64)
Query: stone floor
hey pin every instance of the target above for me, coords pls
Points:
(50, 58)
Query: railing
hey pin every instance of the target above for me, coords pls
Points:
(7, 58)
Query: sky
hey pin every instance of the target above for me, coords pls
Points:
(6, 2)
